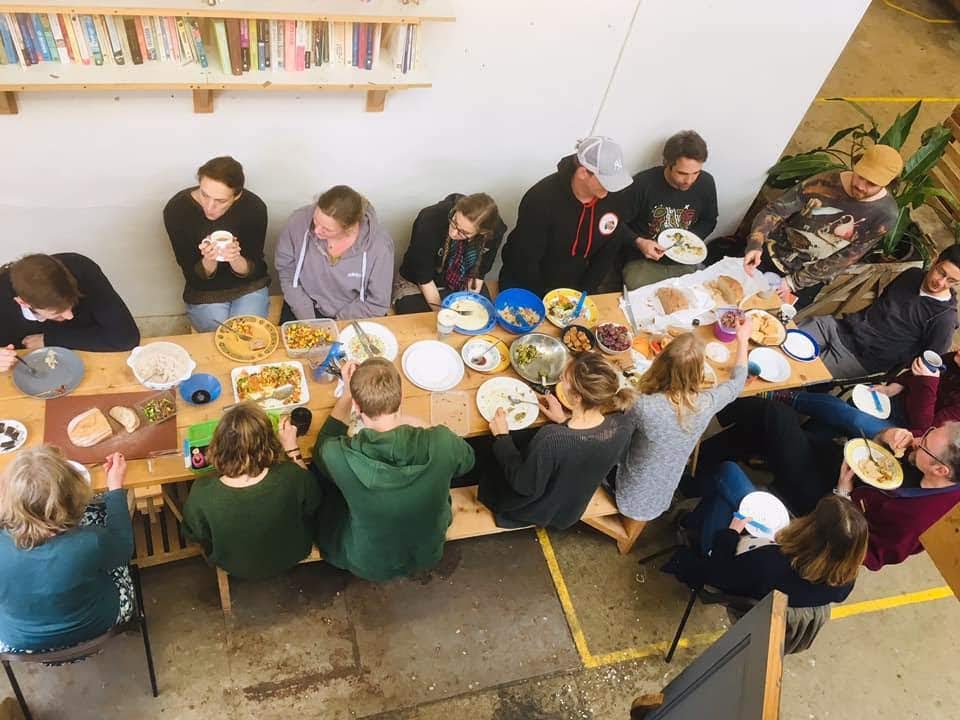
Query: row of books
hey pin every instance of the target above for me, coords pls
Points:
(240, 44)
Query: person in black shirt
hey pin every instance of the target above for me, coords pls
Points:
(452, 246)
(677, 194)
(572, 224)
(221, 281)
(915, 312)
(61, 300)
(551, 484)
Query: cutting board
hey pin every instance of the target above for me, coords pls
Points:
(145, 440)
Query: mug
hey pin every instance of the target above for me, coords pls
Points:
(932, 360)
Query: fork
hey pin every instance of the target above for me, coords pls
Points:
(519, 401)
(254, 344)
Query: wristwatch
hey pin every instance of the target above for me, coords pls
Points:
(841, 493)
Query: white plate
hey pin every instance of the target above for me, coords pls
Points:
(477, 346)
(20, 428)
(717, 352)
(863, 399)
(709, 375)
(493, 394)
(82, 469)
(355, 351)
(773, 365)
(271, 404)
(432, 365)
(800, 346)
(667, 239)
(767, 510)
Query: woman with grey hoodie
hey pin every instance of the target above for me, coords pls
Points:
(335, 260)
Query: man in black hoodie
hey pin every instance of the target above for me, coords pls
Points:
(572, 225)
(61, 300)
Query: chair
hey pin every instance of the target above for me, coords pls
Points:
(737, 603)
(78, 652)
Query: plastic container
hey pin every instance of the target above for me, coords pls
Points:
(725, 334)
(320, 324)
(140, 357)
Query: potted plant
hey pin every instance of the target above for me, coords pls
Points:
(912, 189)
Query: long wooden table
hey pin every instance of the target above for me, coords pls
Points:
(109, 373)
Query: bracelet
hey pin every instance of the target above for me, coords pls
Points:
(841, 493)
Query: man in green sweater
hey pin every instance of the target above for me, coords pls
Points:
(391, 515)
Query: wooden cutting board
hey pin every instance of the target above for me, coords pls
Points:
(145, 440)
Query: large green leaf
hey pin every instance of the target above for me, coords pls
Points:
(841, 134)
(926, 156)
(859, 108)
(895, 234)
(897, 133)
(931, 192)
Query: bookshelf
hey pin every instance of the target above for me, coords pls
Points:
(392, 27)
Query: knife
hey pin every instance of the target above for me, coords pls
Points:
(364, 340)
(628, 310)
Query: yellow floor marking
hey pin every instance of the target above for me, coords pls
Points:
(659, 648)
(890, 99)
(918, 16)
(579, 639)
(885, 603)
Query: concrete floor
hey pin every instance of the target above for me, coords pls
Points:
(484, 635)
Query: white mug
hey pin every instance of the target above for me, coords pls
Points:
(222, 238)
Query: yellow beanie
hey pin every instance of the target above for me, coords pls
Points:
(880, 164)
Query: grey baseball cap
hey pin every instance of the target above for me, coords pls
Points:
(604, 158)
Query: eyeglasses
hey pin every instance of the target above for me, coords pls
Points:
(950, 281)
(459, 231)
(922, 445)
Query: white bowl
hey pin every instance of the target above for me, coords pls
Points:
(143, 353)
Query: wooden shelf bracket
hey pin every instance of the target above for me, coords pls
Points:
(8, 103)
(203, 101)
(376, 99)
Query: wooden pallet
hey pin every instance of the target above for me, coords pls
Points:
(157, 533)
(946, 173)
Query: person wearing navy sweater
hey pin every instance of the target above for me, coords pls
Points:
(61, 300)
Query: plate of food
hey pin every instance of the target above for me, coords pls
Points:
(302, 336)
(481, 318)
(873, 464)
(519, 311)
(725, 290)
(560, 304)
(773, 365)
(13, 434)
(613, 338)
(264, 339)
(57, 371)
(682, 246)
(432, 365)
(476, 356)
(578, 339)
(258, 383)
(767, 330)
(505, 392)
(383, 341)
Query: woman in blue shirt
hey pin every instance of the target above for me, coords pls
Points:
(63, 559)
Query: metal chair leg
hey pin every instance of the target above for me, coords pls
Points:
(683, 624)
(142, 617)
(17, 692)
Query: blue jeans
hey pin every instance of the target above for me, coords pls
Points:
(723, 489)
(202, 317)
(840, 417)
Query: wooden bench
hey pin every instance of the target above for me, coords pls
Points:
(471, 518)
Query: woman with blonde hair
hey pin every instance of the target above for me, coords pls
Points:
(335, 259)
(814, 559)
(64, 578)
(452, 247)
(258, 517)
(550, 485)
(671, 413)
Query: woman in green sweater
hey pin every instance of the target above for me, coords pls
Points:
(258, 517)
(64, 578)
(389, 512)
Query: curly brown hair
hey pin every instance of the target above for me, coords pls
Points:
(244, 442)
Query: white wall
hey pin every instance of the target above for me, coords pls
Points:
(515, 84)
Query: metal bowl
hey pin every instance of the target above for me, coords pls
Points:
(548, 366)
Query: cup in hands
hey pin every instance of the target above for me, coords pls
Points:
(222, 238)
(932, 360)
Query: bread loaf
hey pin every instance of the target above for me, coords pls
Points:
(672, 300)
(89, 428)
(126, 417)
(725, 290)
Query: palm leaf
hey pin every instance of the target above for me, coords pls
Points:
(898, 131)
(926, 156)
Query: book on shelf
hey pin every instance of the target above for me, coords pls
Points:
(233, 45)
(220, 40)
(133, 41)
(10, 48)
(56, 35)
(244, 45)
